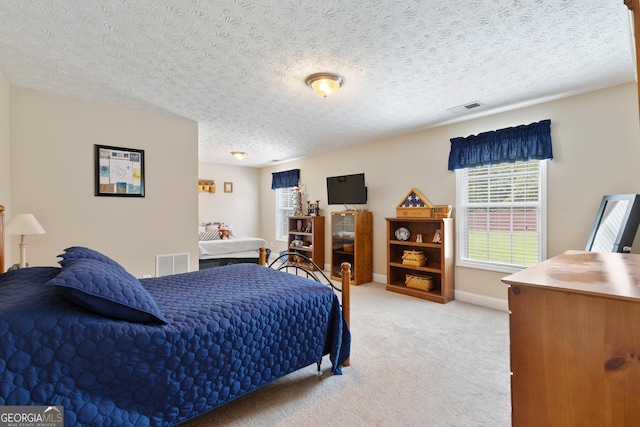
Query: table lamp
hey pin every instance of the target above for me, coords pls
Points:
(23, 224)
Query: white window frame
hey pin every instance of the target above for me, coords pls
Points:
(462, 258)
(285, 207)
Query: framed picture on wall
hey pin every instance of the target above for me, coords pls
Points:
(228, 187)
(119, 171)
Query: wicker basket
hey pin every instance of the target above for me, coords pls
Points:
(415, 258)
(441, 211)
(424, 283)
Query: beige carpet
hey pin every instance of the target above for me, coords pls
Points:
(413, 363)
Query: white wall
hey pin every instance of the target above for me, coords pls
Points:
(241, 208)
(52, 176)
(596, 142)
(5, 168)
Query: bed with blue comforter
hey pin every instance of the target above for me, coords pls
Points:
(115, 350)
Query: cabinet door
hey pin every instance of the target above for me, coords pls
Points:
(342, 241)
(342, 230)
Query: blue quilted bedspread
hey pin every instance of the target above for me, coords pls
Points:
(229, 331)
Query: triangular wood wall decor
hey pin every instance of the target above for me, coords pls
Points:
(415, 204)
(415, 199)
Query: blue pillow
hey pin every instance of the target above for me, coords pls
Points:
(106, 289)
(81, 252)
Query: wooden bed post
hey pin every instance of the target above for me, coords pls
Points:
(1, 239)
(346, 298)
(263, 257)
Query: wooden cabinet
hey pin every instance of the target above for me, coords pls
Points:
(438, 266)
(575, 341)
(306, 236)
(352, 242)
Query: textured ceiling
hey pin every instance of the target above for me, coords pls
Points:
(237, 67)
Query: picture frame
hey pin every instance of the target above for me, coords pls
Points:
(228, 187)
(119, 172)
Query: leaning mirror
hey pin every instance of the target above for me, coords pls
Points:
(616, 224)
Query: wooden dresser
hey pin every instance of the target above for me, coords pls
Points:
(575, 341)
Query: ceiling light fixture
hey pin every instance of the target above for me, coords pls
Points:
(239, 154)
(324, 84)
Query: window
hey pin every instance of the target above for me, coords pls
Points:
(285, 207)
(501, 215)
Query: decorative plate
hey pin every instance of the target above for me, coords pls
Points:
(402, 233)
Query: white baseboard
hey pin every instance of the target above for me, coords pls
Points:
(380, 278)
(495, 303)
(481, 300)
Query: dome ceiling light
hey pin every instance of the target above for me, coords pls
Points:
(324, 84)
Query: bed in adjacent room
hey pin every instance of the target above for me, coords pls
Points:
(114, 350)
(219, 245)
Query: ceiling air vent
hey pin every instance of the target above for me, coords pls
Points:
(465, 107)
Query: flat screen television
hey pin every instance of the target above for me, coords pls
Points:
(346, 190)
(616, 224)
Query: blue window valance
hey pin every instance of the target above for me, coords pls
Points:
(285, 179)
(520, 143)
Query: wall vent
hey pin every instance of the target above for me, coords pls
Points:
(172, 264)
(472, 105)
(465, 107)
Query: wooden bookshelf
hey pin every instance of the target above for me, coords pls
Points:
(309, 230)
(439, 266)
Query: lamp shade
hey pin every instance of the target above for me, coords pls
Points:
(22, 224)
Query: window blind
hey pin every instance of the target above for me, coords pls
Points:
(285, 207)
(500, 208)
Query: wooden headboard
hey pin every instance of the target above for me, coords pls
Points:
(1, 239)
